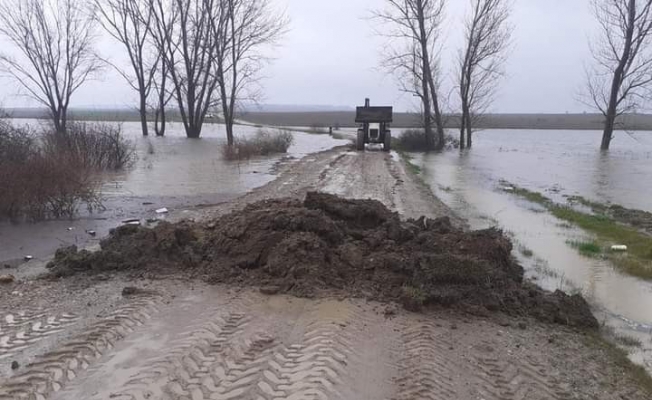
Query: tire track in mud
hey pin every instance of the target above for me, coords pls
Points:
(324, 173)
(253, 364)
(426, 364)
(245, 352)
(20, 330)
(179, 362)
(53, 370)
(515, 378)
(232, 376)
(184, 368)
(312, 367)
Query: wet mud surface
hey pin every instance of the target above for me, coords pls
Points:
(185, 340)
(326, 244)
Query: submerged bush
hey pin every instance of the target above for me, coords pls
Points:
(412, 140)
(51, 174)
(97, 146)
(264, 143)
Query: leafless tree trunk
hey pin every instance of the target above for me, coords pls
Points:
(248, 25)
(184, 33)
(129, 22)
(622, 75)
(163, 97)
(481, 61)
(414, 29)
(54, 40)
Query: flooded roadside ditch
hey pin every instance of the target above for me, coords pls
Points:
(170, 172)
(556, 164)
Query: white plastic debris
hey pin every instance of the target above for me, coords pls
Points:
(619, 247)
(131, 222)
(162, 211)
(29, 258)
(508, 188)
(92, 233)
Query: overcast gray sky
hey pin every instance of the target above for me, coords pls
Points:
(330, 56)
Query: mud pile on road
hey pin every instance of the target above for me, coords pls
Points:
(329, 245)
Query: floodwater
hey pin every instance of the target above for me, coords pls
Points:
(171, 172)
(557, 163)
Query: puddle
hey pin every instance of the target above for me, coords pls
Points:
(469, 183)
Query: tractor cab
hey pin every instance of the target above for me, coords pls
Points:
(375, 123)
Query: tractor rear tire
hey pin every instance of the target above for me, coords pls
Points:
(360, 141)
(387, 145)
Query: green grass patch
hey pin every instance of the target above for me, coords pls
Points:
(407, 160)
(590, 249)
(638, 243)
(534, 197)
(595, 206)
(637, 261)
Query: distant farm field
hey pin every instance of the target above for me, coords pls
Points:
(346, 119)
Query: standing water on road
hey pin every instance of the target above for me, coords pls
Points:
(558, 163)
(172, 172)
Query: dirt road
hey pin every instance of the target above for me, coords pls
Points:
(370, 175)
(81, 338)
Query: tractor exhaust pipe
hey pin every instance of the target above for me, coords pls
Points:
(366, 102)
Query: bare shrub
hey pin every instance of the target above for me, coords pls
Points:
(96, 146)
(37, 184)
(412, 140)
(266, 142)
(15, 143)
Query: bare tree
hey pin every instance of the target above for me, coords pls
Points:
(184, 33)
(414, 30)
(621, 78)
(54, 40)
(481, 61)
(129, 22)
(247, 27)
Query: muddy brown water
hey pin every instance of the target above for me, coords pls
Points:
(171, 172)
(557, 163)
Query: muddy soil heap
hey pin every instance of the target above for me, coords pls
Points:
(327, 245)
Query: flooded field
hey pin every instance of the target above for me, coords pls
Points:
(171, 172)
(557, 163)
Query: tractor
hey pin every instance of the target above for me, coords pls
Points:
(375, 126)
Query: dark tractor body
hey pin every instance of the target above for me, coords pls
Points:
(375, 123)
